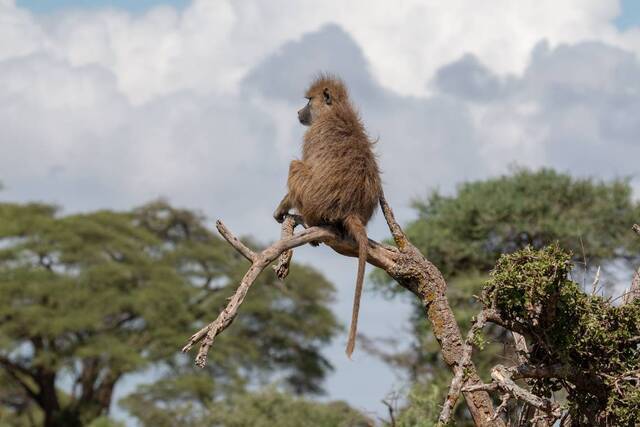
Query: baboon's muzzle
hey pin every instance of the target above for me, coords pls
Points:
(304, 116)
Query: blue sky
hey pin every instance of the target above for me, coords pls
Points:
(629, 17)
(45, 6)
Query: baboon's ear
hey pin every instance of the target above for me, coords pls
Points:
(327, 96)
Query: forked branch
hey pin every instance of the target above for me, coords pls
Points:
(403, 263)
(259, 262)
(458, 379)
(503, 380)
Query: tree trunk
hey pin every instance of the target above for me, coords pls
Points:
(415, 273)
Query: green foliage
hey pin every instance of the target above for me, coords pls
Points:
(464, 235)
(525, 280)
(265, 408)
(105, 422)
(424, 403)
(471, 229)
(584, 333)
(16, 408)
(100, 295)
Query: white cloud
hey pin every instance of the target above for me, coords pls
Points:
(170, 99)
(576, 107)
(19, 33)
(210, 46)
(70, 136)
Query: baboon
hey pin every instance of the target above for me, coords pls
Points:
(337, 181)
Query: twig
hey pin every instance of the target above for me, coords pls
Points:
(458, 378)
(396, 231)
(503, 405)
(235, 242)
(553, 371)
(503, 380)
(634, 290)
(392, 417)
(503, 377)
(282, 266)
(594, 285)
(521, 347)
(586, 266)
(484, 387)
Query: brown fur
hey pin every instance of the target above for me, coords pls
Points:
(337, 181)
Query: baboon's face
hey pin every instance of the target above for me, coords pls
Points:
(318, 104)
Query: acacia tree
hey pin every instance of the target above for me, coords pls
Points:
(87, 299)
(469, 230)
(158, 407)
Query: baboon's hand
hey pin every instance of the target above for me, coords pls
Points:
(279, 215)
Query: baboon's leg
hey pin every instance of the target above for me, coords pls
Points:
(299, 175)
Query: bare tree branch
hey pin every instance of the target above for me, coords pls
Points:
(260, 262)
(634, 291)
(529, 413)
(596, 280)
(235, 242)
(392, 417)
(504, 400)
(503, 377)
(396, 231)
(521, 347)
(458, 379)
(484, 387)
(405, 264)
(13, 369)
(282, 266)
(553, 371)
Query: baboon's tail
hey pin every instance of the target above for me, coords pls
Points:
(358, 231)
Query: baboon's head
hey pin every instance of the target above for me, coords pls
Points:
(326, 92)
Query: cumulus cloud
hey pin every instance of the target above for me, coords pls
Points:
(213, 45)
(575, 107)
(71, 137)
(173, 100)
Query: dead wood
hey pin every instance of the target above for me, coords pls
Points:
(403, 262)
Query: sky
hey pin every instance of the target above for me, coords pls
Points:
(109, 104)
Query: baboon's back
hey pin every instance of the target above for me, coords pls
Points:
(345, 179)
